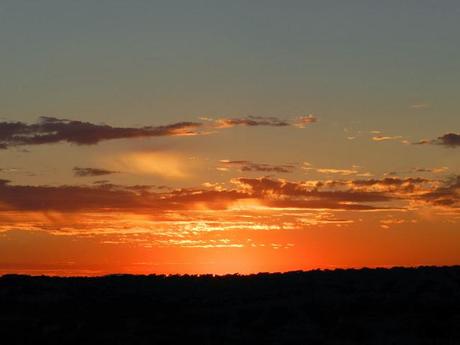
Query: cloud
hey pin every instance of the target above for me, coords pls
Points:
(248, 166)
(386, 138)
(419, 106)
(50, 130)
(271, 121)
(264, 192)
(354, 170)
(64, 198)
(344, 172)
(448, 140)
(90, 172)
(451, 140)
(398, 187)
(303, 193)
(250, 121)
(304, 121)
(447, 194)
(439, 170)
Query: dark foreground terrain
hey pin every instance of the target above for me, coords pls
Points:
(368, 306)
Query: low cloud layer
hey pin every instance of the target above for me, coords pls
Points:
(371, 194)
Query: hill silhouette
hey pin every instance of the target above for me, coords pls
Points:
(366, 306)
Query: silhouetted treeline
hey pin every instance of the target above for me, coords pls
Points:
(368, 306)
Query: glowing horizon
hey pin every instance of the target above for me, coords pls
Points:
(205, 138)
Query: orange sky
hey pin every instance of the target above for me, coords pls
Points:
(222, 137)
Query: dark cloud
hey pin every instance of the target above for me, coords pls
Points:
(91, 172)
(52, 130)
(448, 140)
(257, 167)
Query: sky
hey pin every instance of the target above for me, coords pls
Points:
(228, 136)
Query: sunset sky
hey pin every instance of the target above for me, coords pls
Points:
(228, 136)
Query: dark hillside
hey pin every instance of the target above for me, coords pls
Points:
(368, 306)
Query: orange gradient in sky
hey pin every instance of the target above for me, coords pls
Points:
(245, 226)
(243, 238)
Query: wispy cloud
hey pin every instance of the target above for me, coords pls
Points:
(419, 106)
(167, 164)
(386, 138)
(344, 172)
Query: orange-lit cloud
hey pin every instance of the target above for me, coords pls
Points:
(386, 138)
(304, 121)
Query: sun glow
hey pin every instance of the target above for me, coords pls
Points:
(164, 164)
